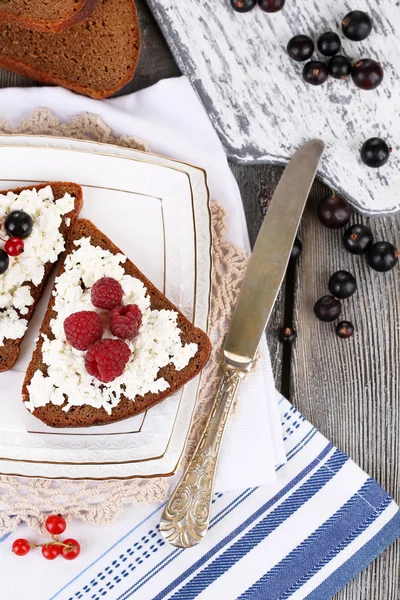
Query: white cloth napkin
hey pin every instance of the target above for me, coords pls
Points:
(171, 119)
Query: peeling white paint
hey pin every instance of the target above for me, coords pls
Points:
(259, 104)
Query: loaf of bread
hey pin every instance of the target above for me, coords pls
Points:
(75, 412)
(42, 15)
(97, 57)
(9, 348)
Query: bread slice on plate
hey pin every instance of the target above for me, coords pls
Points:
(53, 208)
(97, 57)
(43, 15)
(166, 352)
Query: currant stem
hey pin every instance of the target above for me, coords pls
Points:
(56, 542)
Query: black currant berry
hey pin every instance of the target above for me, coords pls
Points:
(286, 334)
(243, 5)
(297, 249)
(357, 239)
(300, 47)
(367, 74)
(329, 43)
(327, 308)
(333, 211)
(315, 72)
(271, 6)
(342, 285)
(356, 25)
(382, 256)
(4, 261)
(375, 152)
(18, 224)
(339, 67)
(344, 329)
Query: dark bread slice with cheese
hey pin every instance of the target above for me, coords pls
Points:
(97, 57)
(85, 415)
(9, 351)
(42, 15)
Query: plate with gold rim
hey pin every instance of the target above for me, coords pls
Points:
(156, 210)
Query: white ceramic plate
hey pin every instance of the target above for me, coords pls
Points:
(156, 210)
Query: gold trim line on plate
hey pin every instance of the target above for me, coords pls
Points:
(94, 142)
(195, 252)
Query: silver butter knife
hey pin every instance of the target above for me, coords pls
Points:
(185, 519)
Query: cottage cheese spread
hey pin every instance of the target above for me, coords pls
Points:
(43, 245)
(157, 344)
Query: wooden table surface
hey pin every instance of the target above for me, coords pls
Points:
(349, 389)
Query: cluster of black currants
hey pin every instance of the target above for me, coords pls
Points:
(269, 6)
(334, 212)
(341, 285)
(366, 73)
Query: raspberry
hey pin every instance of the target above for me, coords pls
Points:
(82, 329)
(106, 359)
(106, 293)
(125, 321)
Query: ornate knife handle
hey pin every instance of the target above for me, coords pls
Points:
(186, 517)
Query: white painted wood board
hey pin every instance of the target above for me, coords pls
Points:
(261, 107)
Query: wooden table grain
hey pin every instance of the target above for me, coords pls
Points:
(349, 389)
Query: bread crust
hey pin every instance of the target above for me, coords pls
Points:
(84, 11)
(86, 416)
(10, 350)
(19, 66)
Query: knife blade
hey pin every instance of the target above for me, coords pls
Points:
(186, 516)
(270, 256)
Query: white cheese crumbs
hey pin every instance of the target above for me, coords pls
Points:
(157, 344)
(43, 245)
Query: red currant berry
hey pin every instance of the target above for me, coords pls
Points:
(21, 547)
(55, 524)
(14, 246)
(72, 551)
(51, 551)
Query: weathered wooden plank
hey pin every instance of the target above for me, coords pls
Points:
(350, 389)
(259, 103)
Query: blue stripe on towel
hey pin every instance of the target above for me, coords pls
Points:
(322, 545)
(255, 535)
(359, 561)
(300, 445)
(175, 552)
(244, 525)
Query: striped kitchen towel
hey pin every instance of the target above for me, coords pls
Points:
(304, 536)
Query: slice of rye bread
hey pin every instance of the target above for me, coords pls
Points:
(86, 416)
(96, 57)
(9, 351)
(42, 15)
